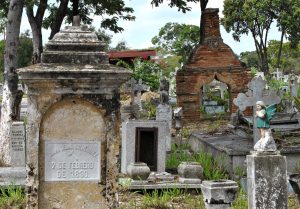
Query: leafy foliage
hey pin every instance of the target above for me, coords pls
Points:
(3, 14)
(147, 71)
(121, 45)
(103, 36)
(112, 11)
(181, 4)
(249, 58)
(24, 52)
(177, 39)
(290, 56)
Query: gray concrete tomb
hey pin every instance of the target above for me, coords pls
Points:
(144, 141)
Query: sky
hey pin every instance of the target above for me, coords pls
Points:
(138, 34)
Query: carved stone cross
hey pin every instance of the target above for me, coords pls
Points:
(256, 92)
(131, 88)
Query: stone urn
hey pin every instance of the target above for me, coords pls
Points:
(190, 172)
(138, 171)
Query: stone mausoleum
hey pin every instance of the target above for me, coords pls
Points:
(73, 124)
(211, 59)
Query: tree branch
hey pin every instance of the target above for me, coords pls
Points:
(60, 15)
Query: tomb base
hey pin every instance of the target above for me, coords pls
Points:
(217, 206)
(267, 181)
(189, 180)
(138, 182)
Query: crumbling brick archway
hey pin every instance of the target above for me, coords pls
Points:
(210, 60)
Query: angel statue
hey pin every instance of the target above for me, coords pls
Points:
(263, 116)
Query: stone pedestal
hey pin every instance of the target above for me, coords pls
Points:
(267, 180)
(164, 113)
(219, 191)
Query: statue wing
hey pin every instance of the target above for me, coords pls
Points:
(270, 111)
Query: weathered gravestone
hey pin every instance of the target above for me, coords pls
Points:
(164, 113)
(266, 180)
(17, 144)
(293, 84)
(256, 93)
(164, 110)
(132, 111)
(73, 124)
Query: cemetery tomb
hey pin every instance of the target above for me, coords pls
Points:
(144, 141)
(73, 124)
(211, 59)
(146, 146)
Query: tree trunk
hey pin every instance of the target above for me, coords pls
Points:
(280, 49)
(9, 110)
(60, 15)
(36, 28)
(37, 39)
(75, 4)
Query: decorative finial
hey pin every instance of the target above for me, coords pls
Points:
(76, 20)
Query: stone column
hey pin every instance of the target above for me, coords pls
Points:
(267, 180)
(113, 151)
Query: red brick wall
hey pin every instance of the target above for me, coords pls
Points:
(211, 60)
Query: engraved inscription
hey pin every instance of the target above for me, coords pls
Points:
(17, 144)
(18, 138)
(72, 161)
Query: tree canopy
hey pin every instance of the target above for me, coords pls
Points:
(58, 11)
(290, 58)
(177, 39)
(255, 17)
(181, 4)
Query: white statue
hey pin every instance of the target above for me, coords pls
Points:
(263, 116)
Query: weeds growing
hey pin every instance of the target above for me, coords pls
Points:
(12, 197)
(212, 169)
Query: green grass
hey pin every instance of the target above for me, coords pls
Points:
(156, 200)
(12, 197)
(175, 158)
(241, 201)
(212, 169)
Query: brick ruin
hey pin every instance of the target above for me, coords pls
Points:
(211, 59)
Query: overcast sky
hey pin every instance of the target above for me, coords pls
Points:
(149, 20)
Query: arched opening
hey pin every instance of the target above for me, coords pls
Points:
(215, 99)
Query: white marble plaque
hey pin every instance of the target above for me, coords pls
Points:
(17, 146)
(72, 160)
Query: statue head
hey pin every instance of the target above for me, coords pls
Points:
(260, 105)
